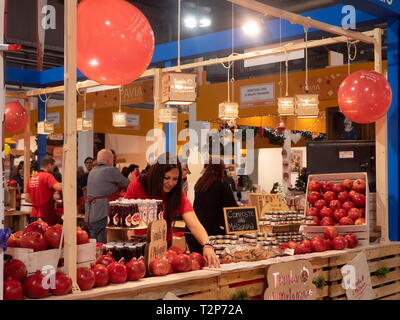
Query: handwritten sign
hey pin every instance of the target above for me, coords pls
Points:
(156, 241)
(273, 203)
(290, 281)
(241, 220)
(357, 279)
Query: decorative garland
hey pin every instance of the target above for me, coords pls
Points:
(275, 136)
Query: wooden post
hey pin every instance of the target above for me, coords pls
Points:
(157, 92)
(2, 104)
(27, 144)
(70, 154)
(382, 204)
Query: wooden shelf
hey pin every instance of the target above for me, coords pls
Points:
(139, 227)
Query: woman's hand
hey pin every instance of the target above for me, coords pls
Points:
(211, 258)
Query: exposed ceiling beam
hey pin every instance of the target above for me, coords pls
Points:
(304, 21)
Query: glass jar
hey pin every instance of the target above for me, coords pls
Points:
(160, 209)
(112, 214)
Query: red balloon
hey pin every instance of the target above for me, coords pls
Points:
(115, 41)
(364, 96)
(15, 117)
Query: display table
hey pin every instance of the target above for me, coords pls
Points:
(16, 220)
(223, 283)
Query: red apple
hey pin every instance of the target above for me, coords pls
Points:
(346, 221)
(352, 192)
(339, 214)
(328, 244)
(326, 212)
(359, 200)
(319, 204)
(348, 205)
(362, 210)
(313, 196)
(327, 221)
(347, 184)
(316, 221)
(199, 258)
(359, 185)
(352, 240)
(344, 196)
(359, 221)
(354, 213)
(338, 187)
(339, 243)
(327, 186)
(314, 185)
(318, 244)
(312, 212)
(335, 204)
(305, 246)
(329, 196)
(330, 232)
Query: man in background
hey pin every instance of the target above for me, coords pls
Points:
(104, 183)
(40, 190)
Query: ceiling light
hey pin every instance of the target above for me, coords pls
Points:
(252, 28)
(205, 22)
(190, 22)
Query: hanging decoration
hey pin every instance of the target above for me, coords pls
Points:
(83, 123)
(115, 41)
(45, 127)
(364, 96)
(168, 115)
(286, 104)
(179, 88)
(15, 117)
(307, 104)
(229, 110)
(120, 119)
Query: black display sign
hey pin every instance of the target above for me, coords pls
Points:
(241, 220)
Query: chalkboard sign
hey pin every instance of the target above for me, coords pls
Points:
(241, 220)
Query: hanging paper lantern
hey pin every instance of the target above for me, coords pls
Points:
(364, 96)
(115, 41)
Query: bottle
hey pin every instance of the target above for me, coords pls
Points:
(135, 218)
(127, 217)
(160, 209)
(113, 219)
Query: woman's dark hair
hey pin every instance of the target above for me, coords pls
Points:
(152, 181)
(125, 172)
(214, 172)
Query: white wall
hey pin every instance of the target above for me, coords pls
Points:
(270, 167)
(130, 148)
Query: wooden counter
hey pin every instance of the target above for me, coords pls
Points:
(223, 283)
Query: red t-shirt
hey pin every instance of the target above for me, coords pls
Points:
(40, 187)
(136, 191)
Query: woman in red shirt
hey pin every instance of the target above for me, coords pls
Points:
(163, 180)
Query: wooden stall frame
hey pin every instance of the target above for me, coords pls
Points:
(371, 37)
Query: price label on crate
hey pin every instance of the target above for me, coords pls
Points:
(241, 220)
(290, 281)
(157, 241)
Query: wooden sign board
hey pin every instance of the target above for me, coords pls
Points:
(274, 203)
(241, 220)
(178, 86)
(290, 281)
(357, 279)
(156, 241)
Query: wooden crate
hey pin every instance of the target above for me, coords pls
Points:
(363, 232)
(194, 285)
(35, 260)
(386, 287)
(251, 281)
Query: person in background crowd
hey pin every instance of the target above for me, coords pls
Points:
(89, 163)
(57, 174)
(212, 194)
(103, 186)
(19, 176)
(135, 169)
(114, 157)
(125, 172)
(40, 190)
(185, 172)
(163, 180)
